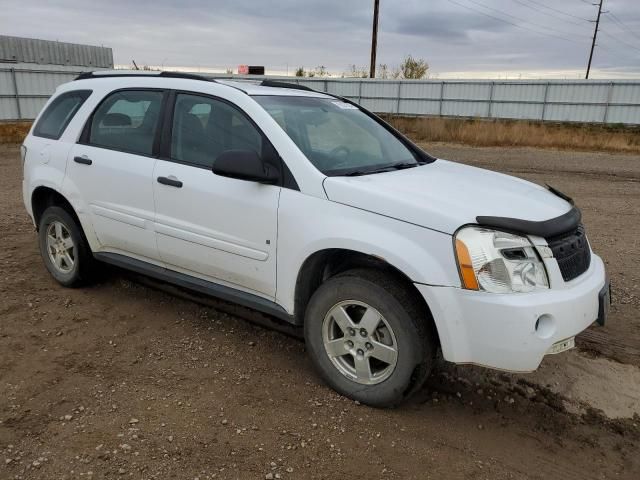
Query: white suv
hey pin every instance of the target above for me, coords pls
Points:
(307, 207)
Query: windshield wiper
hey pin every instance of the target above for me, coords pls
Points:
(402, 166)
(387, 168)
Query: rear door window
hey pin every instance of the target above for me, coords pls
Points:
(59, 113)
(127, 121)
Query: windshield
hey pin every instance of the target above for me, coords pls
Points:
(336, 136)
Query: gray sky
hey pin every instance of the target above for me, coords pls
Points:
(465, 38)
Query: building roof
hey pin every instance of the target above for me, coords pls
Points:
(32, 50)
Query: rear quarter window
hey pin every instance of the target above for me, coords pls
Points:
(59, 113)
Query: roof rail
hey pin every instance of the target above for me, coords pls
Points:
(142, 73)
(277, 84)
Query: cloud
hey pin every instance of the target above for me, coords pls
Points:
(451, 35)
(446, 26)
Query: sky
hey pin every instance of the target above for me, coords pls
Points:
(458, 38)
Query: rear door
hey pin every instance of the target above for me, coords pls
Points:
(216, 227)
(112, 167)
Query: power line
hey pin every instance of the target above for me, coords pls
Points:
(595, 34)
(509, 22)
(620, 40)
(611, 52)
(547, 33)
(593, 43)
(622, 25)
(514, 17)
(561, 12)
(614, 52)
(552, 15)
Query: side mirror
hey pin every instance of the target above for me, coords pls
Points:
(244, 165)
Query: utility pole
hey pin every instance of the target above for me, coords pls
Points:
(593, 44)
(374, 39)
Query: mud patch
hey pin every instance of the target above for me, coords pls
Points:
(584, 381)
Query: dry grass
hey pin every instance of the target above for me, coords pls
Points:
(505, 133)
(14, 132)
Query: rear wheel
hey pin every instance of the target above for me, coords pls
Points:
(63, 248)
(369, 337)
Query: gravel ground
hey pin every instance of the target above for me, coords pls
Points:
(122, 380)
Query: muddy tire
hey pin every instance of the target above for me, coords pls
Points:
(64, 249)
(369, 337)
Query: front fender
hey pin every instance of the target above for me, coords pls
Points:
(424, 256)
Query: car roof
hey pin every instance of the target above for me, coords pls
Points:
(248, 86)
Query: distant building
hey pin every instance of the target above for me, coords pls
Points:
(31, 70)
(46, 52)
(250, 70)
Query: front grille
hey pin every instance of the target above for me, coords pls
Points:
(571, 250)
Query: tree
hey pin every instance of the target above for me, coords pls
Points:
(357, 72)
(386, 73)
(412, 68)
(321, 71)
(383, 71)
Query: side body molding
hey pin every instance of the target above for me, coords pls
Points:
(197, 284)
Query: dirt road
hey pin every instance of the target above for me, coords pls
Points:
(125, 381)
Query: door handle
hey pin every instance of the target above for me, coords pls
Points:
(172, 182)
(83, 160)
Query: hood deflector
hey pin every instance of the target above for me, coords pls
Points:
(546, 228)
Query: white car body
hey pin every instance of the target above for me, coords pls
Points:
(255, 239)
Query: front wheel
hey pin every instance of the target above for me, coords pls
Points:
(369, 337)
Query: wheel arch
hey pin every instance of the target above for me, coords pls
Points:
(44, 197)
(324, 264)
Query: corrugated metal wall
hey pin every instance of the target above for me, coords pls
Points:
(593, 101)
(46, 52)
(31, 69)
(25, 88)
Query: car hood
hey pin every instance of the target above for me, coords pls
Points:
(445, 195)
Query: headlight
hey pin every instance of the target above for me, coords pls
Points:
(498, 262)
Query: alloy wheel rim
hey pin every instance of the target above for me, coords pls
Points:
(60, 247)
(360, 342)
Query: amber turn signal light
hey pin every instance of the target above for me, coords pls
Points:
(467, 275)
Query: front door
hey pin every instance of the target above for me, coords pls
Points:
(216, 227)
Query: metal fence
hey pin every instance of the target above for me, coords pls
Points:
(23, 92)
(593, 101)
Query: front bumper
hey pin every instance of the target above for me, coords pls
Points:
(513, 331)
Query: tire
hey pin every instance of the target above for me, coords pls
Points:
(59, 232)
(404, 324)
